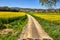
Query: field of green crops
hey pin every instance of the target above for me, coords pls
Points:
(50, 23)
(50, 17)
(11, 24)
(11, 14)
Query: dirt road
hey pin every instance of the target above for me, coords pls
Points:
(33, 31)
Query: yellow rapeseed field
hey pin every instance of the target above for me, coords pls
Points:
(50, 17)
(11, 14)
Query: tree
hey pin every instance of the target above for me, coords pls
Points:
(49, 3)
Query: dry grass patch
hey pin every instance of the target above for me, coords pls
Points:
(6, 31)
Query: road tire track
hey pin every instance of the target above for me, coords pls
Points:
(33, 31)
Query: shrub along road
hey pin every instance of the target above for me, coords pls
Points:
(33, 31)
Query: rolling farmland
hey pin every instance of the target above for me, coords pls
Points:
(50, 17)
(11, 14)
(11, 24)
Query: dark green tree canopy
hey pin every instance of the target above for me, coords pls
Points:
(49, 3)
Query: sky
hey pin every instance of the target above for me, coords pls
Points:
(24, 4)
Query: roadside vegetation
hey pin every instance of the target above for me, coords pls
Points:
(11, 24)
(50, 23)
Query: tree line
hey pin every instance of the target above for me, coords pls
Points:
(16, 9)
(5, 8)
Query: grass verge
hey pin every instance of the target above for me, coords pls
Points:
(52, 28)
(14, 23)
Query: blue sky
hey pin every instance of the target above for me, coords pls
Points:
(24, 3)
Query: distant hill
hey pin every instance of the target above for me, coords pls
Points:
(17, 9)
